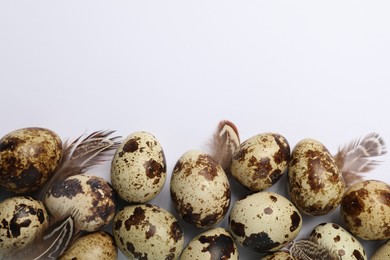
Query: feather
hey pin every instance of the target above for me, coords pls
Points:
(53, 243)
(80, 155)
(224, 143)
(356, 157)
(307, 250)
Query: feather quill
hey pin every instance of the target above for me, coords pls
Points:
(357, 157)
(80, 155)
(224, 143)
(307, 250)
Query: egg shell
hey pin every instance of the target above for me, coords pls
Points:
(215, 243)
(279, 255)
(383, 252)
(200, 190)
(138, 169)
(365, 210)
(260, 161)
(22, 220)
(147, 231)
(338, 240)
(315, 184)
(90, 198)
(28, 158)
(98, 245)
(264, 221)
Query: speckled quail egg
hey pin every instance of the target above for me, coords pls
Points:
(22, 220)
(215, 243)
(200, 190)
(28, 158)
(147, 231)
(89, 198)
(138, 169)
(260, 161)
(383, 252)
(279, 255)
(315, 184)
(97, 245)
(365, 210)
(337, 240)
(264, 221)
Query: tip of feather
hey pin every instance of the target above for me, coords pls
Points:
(357, 157)
(224, 142)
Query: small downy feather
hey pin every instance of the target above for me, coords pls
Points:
(356, 157)
(224, 143)
(82, 154)
(307, 250)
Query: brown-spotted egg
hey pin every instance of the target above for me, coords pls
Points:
(264, 221)
(365, 210)
(28, 158)
(338, 241)
(215, 243)
(200, 190)
(147, 231)
(138, 169)
(97, 245)
(315, 184)
(383, 252)
(89, 198)
(22, 220)
(260, 161)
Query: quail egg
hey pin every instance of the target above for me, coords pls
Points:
(28, 158)
(338, 241)
(89, 198)
(200, 190)
(365, 210)
(264, 221)
(138, 169)
(315, 184)
(260, 161)
(215, 243)
(383, 252)
(97, 245)
(147, 231)
(22, 220)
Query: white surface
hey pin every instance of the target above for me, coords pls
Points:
(175, 68)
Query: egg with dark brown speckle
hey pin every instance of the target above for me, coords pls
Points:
(90, 198)
(215, 243)
(138, 169)
(260, 161)
(315, 184)
(28, 158)
(338, 241)
(383, 252)
(200, 189)
(147, 231)
(264, 221)
(22, 220)
(365, 210)
(97, 245)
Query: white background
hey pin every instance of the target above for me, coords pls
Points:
(175, 68)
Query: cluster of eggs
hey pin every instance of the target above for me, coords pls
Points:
(200, 190)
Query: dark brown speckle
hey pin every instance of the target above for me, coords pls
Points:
(68, 188)
(260, 242)
(237, 228)
(295, 221)
(220, 247)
